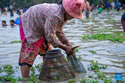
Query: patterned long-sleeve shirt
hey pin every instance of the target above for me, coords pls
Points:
(44, 20)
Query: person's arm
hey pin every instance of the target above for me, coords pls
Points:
(62, 37)
(50, 29)
(50, 32)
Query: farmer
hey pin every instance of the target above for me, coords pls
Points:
(38, 28)
(123, 21)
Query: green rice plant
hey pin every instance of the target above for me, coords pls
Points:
(108, 80)
(101, 75)
(72, 81)
(95, 81)
(114, 37)
(84, 80)
(89, 81)
(95, 66)
(104, 67)
(29, 82)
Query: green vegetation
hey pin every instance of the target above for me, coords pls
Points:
(15, 41)
(72, 81)
(79, 57)
(7, 73)
(111, 20)
(108, 80)
(114, 37)
(96, 67)
(84, 80)
(77, 49)
(92, 51)
(101, 75)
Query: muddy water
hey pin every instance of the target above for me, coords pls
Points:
(107, 52)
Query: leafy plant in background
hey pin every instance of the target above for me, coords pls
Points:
(95, 81)
(84, 80)
(115, 37)
(108, 80)
(72, 81)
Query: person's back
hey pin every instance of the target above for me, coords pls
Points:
(113, 5)
(33, 20)
(123, 21)
(107, 5)
(118, 6)
(99, 10)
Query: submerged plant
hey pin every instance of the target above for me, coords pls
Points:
(79, 57)
(111, 20)
(92, 51)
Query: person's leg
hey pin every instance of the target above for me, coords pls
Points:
(27, 56)
(25, 71)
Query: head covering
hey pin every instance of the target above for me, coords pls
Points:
(123, 21)
(75, 8)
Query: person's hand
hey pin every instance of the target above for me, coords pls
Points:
(70, 50)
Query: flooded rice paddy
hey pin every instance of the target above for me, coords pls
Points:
(106, 52)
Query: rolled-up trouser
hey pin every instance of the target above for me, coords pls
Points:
(29, 52)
